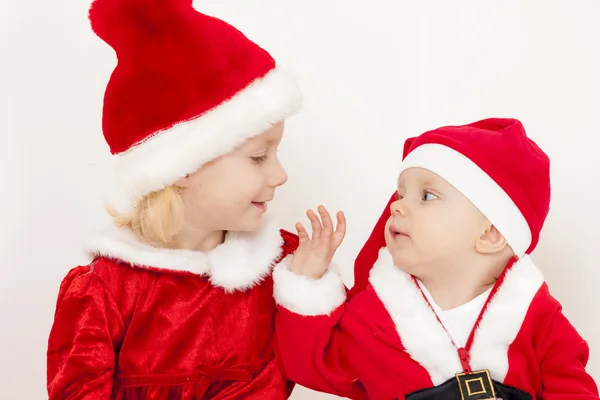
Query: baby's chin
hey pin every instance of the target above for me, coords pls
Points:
(401, 261)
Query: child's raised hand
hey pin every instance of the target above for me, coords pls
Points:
(313, 256)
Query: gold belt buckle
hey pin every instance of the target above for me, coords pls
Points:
(476, 385)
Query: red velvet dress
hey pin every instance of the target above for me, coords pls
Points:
(145, 323)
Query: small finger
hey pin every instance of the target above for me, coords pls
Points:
(302, 234)
(341, 222)
(327, 222)
(340, 231)
(315, 224)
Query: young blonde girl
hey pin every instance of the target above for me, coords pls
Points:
(177, 301)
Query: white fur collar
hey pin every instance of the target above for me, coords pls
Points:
(425, 339)
(242, 261)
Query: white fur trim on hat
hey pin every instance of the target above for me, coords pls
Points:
(171, 154)
(476, 185)
(305, 296)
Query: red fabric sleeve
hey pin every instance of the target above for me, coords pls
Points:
(307, 346)
(290, 244)
(81, 350)
(309, 352)
(565, 356)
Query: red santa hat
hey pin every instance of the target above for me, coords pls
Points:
(188, 88)
(495, 165)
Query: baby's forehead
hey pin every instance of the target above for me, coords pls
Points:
(420, 176)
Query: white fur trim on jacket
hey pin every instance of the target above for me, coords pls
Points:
(241, 262)
(171, 154)
(305, 296)
(425, 339)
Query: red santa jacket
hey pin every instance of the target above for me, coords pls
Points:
(147, 323)
(387, 343)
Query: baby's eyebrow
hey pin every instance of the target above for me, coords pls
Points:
(430, 182)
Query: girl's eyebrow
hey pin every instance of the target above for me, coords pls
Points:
(254, 146)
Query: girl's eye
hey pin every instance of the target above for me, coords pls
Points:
(259, 159)
(427, 196)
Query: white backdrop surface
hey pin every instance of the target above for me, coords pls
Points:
(373, 73)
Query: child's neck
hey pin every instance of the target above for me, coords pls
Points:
(460, 285)
(198, 240)
(449, 295)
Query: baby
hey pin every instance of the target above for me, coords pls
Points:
(447, 303)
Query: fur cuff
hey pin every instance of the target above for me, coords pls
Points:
(306, 296)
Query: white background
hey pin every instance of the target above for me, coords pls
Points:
(373, 73)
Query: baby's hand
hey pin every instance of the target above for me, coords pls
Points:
(313, 256)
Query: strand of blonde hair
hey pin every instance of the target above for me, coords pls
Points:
(156, 219)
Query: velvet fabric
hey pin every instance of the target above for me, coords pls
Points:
(175, 64)
(122, 332)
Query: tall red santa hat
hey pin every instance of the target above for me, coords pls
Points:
(495, 165)
(188, 88)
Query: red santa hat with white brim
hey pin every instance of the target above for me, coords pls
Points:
(491, 162)
(187, 89)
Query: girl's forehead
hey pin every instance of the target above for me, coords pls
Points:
(272, 135)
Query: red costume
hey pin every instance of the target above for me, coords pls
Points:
(386, 342)
(389, 340)
(188, 326)
(141, 322)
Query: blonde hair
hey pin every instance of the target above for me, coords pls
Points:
(157, 217)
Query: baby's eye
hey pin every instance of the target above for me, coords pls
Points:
(427, 196)
(258, 159)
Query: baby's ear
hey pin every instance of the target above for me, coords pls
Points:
(490, 241)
